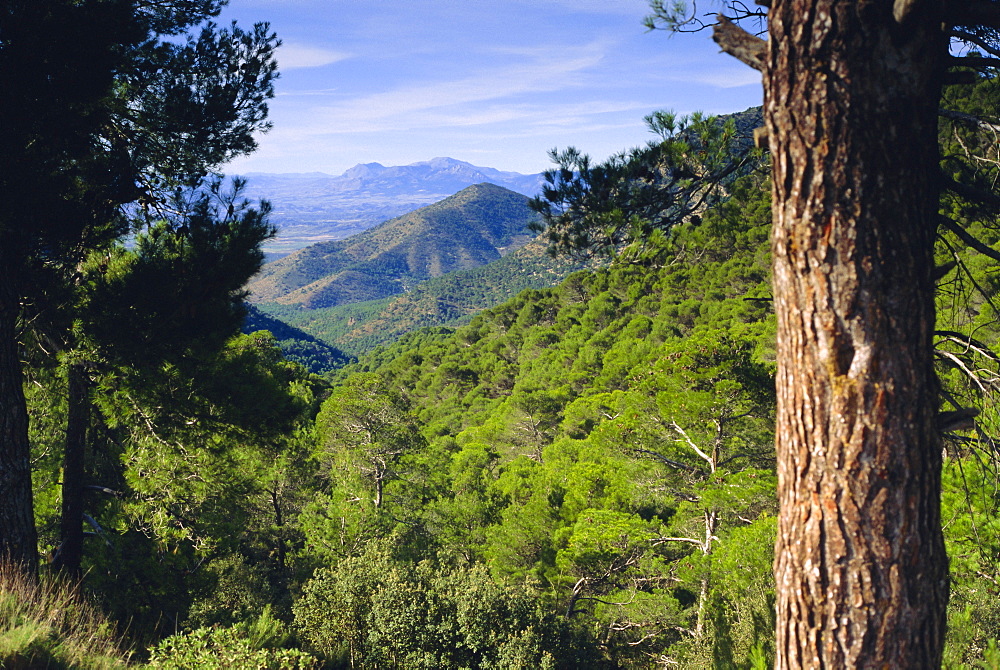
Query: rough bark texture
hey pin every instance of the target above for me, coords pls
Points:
(850, 106)
(18, 539)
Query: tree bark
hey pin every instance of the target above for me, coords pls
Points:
(70, 554)
(851, 98)
(18, 538)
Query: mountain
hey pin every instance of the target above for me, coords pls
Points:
(448, 300)
(477, 225)
(316, 207)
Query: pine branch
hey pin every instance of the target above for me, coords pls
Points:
(974, 61)
(972, 38)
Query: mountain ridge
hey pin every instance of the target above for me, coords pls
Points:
(479, 224)
(311, 207)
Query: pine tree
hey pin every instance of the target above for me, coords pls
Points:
(101, 110)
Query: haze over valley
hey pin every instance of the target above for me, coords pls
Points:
(316, 207)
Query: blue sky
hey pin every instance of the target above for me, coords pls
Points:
(495, 83)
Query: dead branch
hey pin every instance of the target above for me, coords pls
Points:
(969, 120)
(746, 48)
(968, 238)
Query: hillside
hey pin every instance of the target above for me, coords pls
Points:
(296, 345)
(471, 228)
(317, 207)
(448, 300)
(551, 440)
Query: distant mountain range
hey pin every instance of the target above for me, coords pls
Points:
(475, 226)
(316, 207)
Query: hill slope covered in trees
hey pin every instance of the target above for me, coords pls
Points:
(448, 300)
(589, 468)
(475, 226)
(296, 345)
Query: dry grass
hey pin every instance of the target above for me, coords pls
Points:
(48, 625)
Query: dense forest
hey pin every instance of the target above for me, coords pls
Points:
(580, 477)
(583, 476)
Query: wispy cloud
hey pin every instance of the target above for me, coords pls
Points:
(721, 77)
(492, 122)
(531, 120)
(411, 105)
(507, 80)
(293, 56)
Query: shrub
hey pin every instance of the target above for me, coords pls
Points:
(248, 646)
(376, 612)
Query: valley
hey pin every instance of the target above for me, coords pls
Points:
(317, 207)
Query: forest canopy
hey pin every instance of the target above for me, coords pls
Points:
(584, 476)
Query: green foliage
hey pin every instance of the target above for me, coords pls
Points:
(113, 112)
(200, 472)
(380, 612)
(108, 103)
(253, 642)
(578, 476)
(532, 488)
(966, 345)
(179, 284)
(580, 437)
(239, 646)
(369, 448)
(970, 504)
(589, 208)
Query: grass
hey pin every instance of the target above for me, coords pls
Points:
(48, 625)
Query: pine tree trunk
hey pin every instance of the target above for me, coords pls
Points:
(851, 110)
(18, 538)
(74, 471)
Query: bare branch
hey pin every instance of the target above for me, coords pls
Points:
(972, 38)
(941, 271)
(964, 235)
(708, 459)
(740, 44)
(608, 602)
(974, 61)
(960, 365)
(958, 420)
(969, 120)
(688, 540)
(968, 342)
(104, 489)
